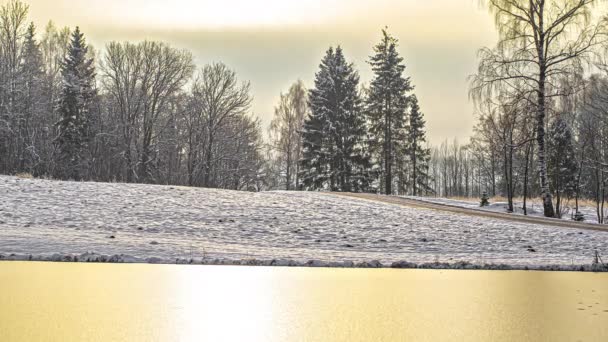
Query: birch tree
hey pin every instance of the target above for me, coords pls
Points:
(540, 41)
(285, 132)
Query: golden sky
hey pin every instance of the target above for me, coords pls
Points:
(274, 42)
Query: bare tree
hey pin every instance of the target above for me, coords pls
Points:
(217, 98)
(13, 29)
(141, 79)
(285, 132)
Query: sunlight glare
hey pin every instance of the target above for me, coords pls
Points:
(212, 301)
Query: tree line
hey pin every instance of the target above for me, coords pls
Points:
(144, 112)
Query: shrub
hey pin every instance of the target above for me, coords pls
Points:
(485, 200)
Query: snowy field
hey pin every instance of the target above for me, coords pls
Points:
(52, 220)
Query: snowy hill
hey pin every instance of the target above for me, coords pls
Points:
(43, 219)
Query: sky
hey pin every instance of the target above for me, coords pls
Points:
(272, 43)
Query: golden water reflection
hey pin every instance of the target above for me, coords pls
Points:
(101, 302)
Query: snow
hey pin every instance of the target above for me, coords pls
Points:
(77, 221)
(534, 208)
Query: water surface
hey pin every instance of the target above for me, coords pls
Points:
(119, 302)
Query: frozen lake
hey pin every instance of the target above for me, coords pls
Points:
(134, 302)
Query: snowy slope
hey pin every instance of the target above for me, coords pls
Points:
(162, 223)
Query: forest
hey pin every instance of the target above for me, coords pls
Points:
(143, 112)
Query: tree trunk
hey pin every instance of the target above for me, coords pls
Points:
(414, 167)
(288, 172)
(578, 179)
(208, 160)
(549, 211)
(298, 176)
(509, 175)
(526, 177)
(603, 200)
(388, 157)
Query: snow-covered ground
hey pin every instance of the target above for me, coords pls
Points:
(42, 218)
(534, 208)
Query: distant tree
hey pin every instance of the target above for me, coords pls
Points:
(285, 132)
(592, 133)
(561, 161)
(53, 45)
(31, 102)
(386, 106)
(334, 135)
(419, 154)
(75, 105)
(13, 30)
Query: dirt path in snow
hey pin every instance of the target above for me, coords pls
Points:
(474, 212)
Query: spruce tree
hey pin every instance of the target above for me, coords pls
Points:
(334, 134)
(418, 153)
(561, 162)
(387, 103)
(75, 104)
(313, 165)
(32, 69)
(30, 100)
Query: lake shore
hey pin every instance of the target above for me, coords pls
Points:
(462, 265)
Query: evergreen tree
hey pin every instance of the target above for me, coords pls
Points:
(561, 161)
(485, 200)
(418, 153)
(75, 104)
(334, 134)
(30, 100)
(386, 107)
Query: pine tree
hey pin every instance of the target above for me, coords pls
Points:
(418, 153)
(314, 172)
(334, 134)
(75, 104)
(561, 162)
(30, 101)
(386, 107)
